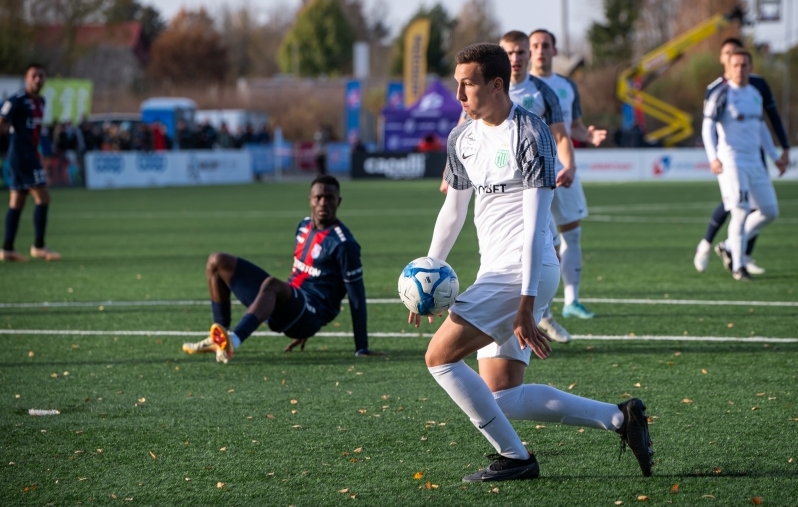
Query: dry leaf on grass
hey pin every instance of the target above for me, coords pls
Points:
(153, 456)
(716, 470)
(358, 450)
(687, 400)
(362, 410)
(675, 488)
(219, 484)
(345, 490)
(707, 496)
(418, 475)
(637, 384)
(539, 426)
(494, 490)
(572, 386)
(625, 395)
(618, 502)
(757, 500)
(642, 498)
(294, 402)
(704, 371)
(269, 416)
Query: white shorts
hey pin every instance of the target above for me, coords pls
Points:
(569, 204)
(491, 305)
(746, 187)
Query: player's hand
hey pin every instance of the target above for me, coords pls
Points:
(716, 166)
(783, 162)
(565, 178)
(415, 319)
(596, 136)
(528, 334)
(444, 186)
(296, 341)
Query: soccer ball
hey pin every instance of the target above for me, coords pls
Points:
(428, 286)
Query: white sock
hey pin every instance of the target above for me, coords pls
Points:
(736, 241)
(759, 218)
(472, 395)
(538, 402)
(571, 264)
(234, 339)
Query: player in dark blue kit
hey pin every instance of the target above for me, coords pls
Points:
(326, 268)
(719, 216)
(23, 113)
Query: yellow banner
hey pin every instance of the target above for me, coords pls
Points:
(416, 42)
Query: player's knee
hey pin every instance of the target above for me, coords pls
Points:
(271, 284)
(771, 212)
(218, 261)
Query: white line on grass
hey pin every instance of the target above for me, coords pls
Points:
(335, 334)
(383, 301)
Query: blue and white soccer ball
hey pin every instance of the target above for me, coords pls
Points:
(428, 286)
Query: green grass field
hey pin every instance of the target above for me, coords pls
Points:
(144, 424)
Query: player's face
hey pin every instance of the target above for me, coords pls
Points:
(34, 80)
(725, 54)
(739, 69)
(542, 51)
(324, 202)
(473, 92)
(519, 58)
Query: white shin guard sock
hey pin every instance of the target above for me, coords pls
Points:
(538, 402)
(737, 241)
(472, 395)
(571, 263)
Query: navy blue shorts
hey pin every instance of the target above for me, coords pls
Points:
(296, 318)
(25, 176)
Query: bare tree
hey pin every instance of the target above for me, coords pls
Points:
(476, 22)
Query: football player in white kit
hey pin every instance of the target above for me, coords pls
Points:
(506, 155)
(733, 132)
(534, 95)
(569, 206)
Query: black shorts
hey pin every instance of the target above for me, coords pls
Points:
(22, 176)
(296, 318)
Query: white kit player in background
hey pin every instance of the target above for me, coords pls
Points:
(733, 132)
(506, 155)
(569, 205)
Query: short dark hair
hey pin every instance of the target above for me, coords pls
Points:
(492, 60)
(326, 179)
(33, 65)
(514, 36)
(543, 30)
(732, 40)
(745, 52)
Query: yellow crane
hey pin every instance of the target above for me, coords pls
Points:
(678, 123)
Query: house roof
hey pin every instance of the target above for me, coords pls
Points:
(126, 34)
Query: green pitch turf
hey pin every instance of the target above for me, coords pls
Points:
(144, 424)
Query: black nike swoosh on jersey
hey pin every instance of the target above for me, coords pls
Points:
(466, 157)
(483, 426)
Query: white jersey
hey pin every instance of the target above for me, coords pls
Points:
(499, 163)
(534, 95)
(570, 104)
(734, 129)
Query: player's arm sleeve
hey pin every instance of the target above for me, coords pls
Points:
(577, 107)
(449, 223)
(710, 137)
(537, 213)
(553, 113)
(772, 110)
(349, 258)
(6, 110)
(767, 141)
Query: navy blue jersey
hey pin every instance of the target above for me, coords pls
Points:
(768, 105)
(24, 112)
(326, 265)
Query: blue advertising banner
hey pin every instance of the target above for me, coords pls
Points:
(354, 99)
(395, 96)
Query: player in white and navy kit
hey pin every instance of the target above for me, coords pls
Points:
(569, 206)
(733, 132)
(326, 268)
(506, 156)
(720, 215)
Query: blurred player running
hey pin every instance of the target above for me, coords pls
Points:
(23, 112)
(506, 156)
(733, 132)
(326, 268)
(569, 206)
(719, 216)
